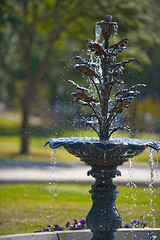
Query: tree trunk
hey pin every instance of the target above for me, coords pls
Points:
(25, 132)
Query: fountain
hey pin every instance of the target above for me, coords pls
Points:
(104, 153)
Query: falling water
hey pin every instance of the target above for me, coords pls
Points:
(52, 185)
(132, 185)
(151, 190)
(115, 29)
(97, 32)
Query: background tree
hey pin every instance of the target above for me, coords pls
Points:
(25, 25)
(32, 32)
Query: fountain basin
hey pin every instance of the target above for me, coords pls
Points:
(109, 153)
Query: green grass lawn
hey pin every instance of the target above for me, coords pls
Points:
(30, 207)
(10, 149)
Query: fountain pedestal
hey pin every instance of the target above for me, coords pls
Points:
(103, 219)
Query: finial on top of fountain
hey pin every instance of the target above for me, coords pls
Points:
(108, 18)
(107, 27)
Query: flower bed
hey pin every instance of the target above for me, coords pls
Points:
(81, 225)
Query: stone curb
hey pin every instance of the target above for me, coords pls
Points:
(121, 234)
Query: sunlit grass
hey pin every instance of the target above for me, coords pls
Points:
(26, 208)
(9, 125)
(10, 149)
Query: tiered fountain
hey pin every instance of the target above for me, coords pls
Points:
(104, 153)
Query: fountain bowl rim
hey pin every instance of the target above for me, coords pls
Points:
(111, 143)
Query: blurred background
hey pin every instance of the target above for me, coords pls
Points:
(37, 41)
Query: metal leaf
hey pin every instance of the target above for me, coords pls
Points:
(121, 43)
(122, 64)
(133, 88)
(81, 59)
(78, 87)
(84, 97)
(84, 61)
(97, 47)
(116, 82)
(87, 70)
